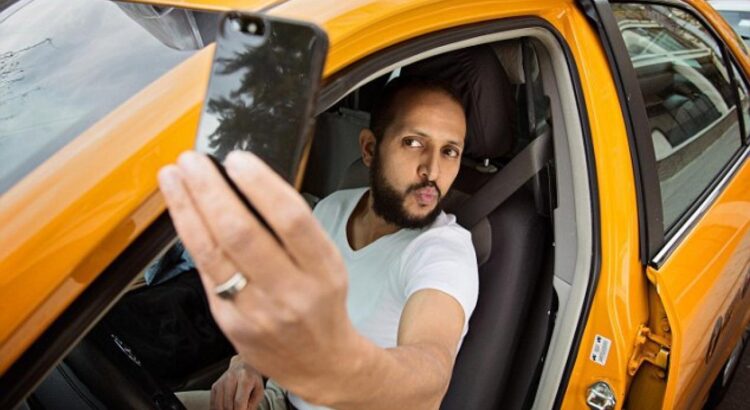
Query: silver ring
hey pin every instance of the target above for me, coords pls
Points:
(231, 287)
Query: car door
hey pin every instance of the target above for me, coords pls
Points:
(692, 161)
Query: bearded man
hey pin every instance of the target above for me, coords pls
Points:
(365, 308)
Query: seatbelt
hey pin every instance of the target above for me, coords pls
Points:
(507, 181)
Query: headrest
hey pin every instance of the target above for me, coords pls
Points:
(510, 55)
(476, 75)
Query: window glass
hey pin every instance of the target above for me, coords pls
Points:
(689, 100)
(66, 64)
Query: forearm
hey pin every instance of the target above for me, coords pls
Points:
(414, 377)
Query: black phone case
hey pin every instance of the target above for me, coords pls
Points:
(263, 90)
(229, 41)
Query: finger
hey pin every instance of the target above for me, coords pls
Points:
(242, 394)
(256, 395)
(217, 394)
(191, 228)
(237, 232)
(209, 259)
(282, 207)
(230, 388)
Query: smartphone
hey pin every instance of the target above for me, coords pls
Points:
(261, 95)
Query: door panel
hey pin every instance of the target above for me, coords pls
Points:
(701, 285)
(695, 130)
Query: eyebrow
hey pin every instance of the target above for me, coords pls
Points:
(426, 135)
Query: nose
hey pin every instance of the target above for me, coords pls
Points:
(429, 166)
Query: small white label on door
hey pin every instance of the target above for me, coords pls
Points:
(600, 351)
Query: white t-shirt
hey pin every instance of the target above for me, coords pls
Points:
(384, 274)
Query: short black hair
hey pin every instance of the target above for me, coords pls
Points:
(384, 110)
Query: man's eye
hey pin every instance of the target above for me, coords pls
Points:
(412, 142)
(452, 152)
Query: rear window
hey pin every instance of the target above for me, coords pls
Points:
(689, 97)
(66, 64)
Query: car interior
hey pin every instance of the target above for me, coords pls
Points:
(142, 351)
(508, 240)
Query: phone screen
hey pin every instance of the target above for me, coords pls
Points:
(262, 90)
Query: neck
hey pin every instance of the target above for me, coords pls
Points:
(365, 226)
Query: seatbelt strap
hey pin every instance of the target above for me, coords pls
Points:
(508, 180)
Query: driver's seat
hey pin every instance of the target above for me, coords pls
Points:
(512, 241)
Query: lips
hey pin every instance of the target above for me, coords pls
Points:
(426, 196)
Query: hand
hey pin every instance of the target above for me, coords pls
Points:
(239, 388)
(290, 321)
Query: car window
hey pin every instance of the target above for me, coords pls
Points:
(689, 100)
(66, 64)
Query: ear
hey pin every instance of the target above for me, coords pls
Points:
(367, 144)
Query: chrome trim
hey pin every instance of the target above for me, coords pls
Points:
(678, 236)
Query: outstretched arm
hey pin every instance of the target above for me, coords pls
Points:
(414, 375)
(290, 321)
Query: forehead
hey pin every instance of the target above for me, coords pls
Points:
(432, 112)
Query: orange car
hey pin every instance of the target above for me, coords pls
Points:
(615, 274)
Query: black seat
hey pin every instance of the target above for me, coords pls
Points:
(512, 243)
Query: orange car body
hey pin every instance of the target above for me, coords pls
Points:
(72, 216)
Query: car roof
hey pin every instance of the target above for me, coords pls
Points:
(212, 4)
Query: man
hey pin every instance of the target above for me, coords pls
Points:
(384, 335)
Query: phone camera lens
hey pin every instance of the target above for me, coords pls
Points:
(236, 25)
(247, 25)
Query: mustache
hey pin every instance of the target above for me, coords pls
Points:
(425, 184)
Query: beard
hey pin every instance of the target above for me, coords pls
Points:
(389, 204)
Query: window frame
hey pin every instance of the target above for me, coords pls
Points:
(732, 67)
(642, 155)
(356, 75)
(745, 79)
(660, 246)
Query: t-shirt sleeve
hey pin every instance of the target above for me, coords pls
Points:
(443, 260)
(327, 212)
(332, 211)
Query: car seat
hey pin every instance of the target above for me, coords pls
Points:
(512, 242)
